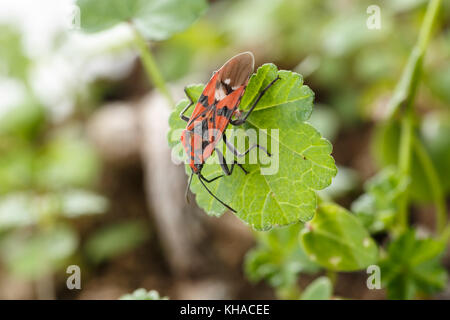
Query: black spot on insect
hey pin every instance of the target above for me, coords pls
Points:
(227, 87)
(203, 100)
(205, 129)
(205, 143)
(224, 111)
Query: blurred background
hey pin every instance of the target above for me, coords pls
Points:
(85, 172)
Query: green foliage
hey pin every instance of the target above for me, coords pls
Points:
(23, 120)
(33, 256)
(386, 142)
(377, 207)
(79, 202)
(115, 239)
(336, 240)
(154, 19)
(412, 266)
(319, 289)
(278, 258)
(14, 62)
(305, 163)
(66, 161)
(27, 208)
(142, 294)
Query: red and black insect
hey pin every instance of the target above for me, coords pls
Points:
(215, 109)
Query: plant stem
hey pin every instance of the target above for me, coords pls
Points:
(151, 68)
(332, 275)
(291, 292)
(406, 89)
(405, 94)
(425, 31)
(404, 167)
(435, 184)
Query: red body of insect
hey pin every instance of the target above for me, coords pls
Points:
(213, 112)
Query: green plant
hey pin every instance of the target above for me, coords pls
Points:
(149, 19)
(264, 201)
(331, 236)
(142, 294)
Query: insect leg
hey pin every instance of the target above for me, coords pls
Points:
(210, 180)
(238, 122)
(201, 179)
(182, 116)
(237, 153)
(228, 171)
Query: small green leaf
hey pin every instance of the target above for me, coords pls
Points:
(16, 211)
(319, 289)
(336, 240)
(412, 266)
(16, 168)
(278, 258)
(377, 207)
(142, 294)
(301, 162)
(32, 256)
(75, 203)
(66, 161)
(115, 239)
(27, 208)
(154, 19)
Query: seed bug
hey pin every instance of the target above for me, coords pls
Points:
(214, 110)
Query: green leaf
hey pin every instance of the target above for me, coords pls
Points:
(385, 144)
(377, 207)
(116, 239)
(278, 258)
(16, 210)
(336, 240)
(15, 62)
(154, 19)
(22, 120)
(412, 266)
(319, 289)
(75, 203)
(142, 294)
(32, 256)
(16, 167)
(301, 162)
(66, 161)
(27, 208)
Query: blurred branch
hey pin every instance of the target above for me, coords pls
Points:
(404, 166)
(405, 94)
(406, 89)
(151, 67)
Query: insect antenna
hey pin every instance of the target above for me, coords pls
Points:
(209, 191)
(187, 188)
